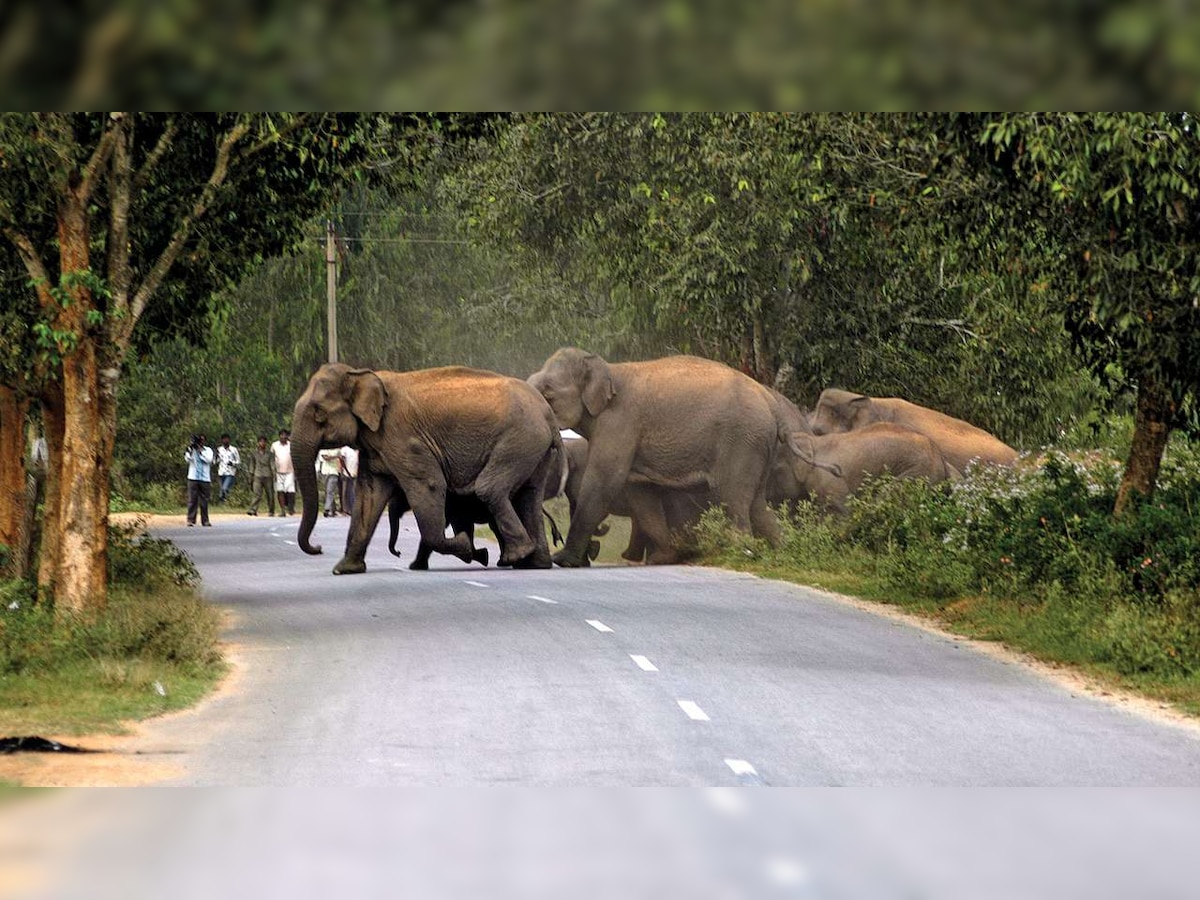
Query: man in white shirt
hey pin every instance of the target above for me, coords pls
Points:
(199, 459)
(228, 460)
(329, 466)
(349, 460)
(285, 474)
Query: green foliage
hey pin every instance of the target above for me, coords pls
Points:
(154, 614)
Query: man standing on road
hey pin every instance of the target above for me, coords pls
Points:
(349, 461)
(262, 476)
(228, 460)
(199, 459)
(285, 474)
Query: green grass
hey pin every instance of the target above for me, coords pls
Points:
(153, 649)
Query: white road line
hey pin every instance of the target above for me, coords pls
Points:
(293, 543)
(740, 767)
(693, 711)
(642, 663)
(598, 625)
(541, 599)
(476, 584)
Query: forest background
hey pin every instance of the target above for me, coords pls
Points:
(877, 253)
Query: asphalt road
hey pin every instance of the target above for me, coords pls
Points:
(625, 676)
(616, 676)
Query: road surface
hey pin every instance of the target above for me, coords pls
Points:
(630, 676)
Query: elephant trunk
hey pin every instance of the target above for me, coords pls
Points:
(304, 457)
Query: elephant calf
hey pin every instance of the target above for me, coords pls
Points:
(829, 468)
(960, 442)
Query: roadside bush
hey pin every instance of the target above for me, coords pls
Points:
(136, 558)
(153, 613)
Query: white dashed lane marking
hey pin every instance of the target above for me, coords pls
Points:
(642, 663)
(477, 584)
(541, 599)
(599, 626)
(693, 711)
(740, 767)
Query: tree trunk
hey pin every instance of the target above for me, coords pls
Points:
(13, 411)
(52, 422)
(1152, 424)
(81, 580)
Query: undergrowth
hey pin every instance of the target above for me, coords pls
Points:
(151, 649)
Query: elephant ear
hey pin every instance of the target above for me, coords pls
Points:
(597, 384)
(802, 445)
(368, 397)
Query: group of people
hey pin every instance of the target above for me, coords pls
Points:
(271, 473)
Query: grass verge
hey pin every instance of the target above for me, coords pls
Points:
(152, 650)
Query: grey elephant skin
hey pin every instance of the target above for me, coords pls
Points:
(681, 509)
(960, 442)
(678, 423)
(828, 468)
(430, 434)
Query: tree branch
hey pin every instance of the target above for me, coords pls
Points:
(38, 273)
(160, 148)
(184, 230)
(120, 178)
(99, 156)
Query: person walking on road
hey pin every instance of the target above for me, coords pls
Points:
(262, 476)
(228, 460)
(199, 487)
(329, 466)
(285, 474)
(349, 460)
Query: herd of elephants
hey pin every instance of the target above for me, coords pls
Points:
(662, 440)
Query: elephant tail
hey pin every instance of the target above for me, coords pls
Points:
(563, 467)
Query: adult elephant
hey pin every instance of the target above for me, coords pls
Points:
(828, 468)
(679, 423)
(960, 442)
(430, 434)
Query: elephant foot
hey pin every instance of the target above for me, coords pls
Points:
(631, 553)
(570, 560)
(350, 567)
(662, 557)
(593, 550)
(536, 560)
(514, 553)
(481, 556)
(419, 564)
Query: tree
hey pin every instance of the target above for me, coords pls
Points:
(125, 220)
(1120, 193)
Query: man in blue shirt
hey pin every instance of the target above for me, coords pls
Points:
(199, 459)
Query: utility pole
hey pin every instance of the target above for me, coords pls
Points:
(331, 288)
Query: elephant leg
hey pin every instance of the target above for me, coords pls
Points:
(603, 478)
(763, 521)
(428, 501)
(639, 542)
(516, 544)
(421, 561)
(528, 504)
(374, 494)
(646, 511)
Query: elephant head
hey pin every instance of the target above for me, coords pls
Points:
(339, 404)
(839, 410)
(576, 384)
